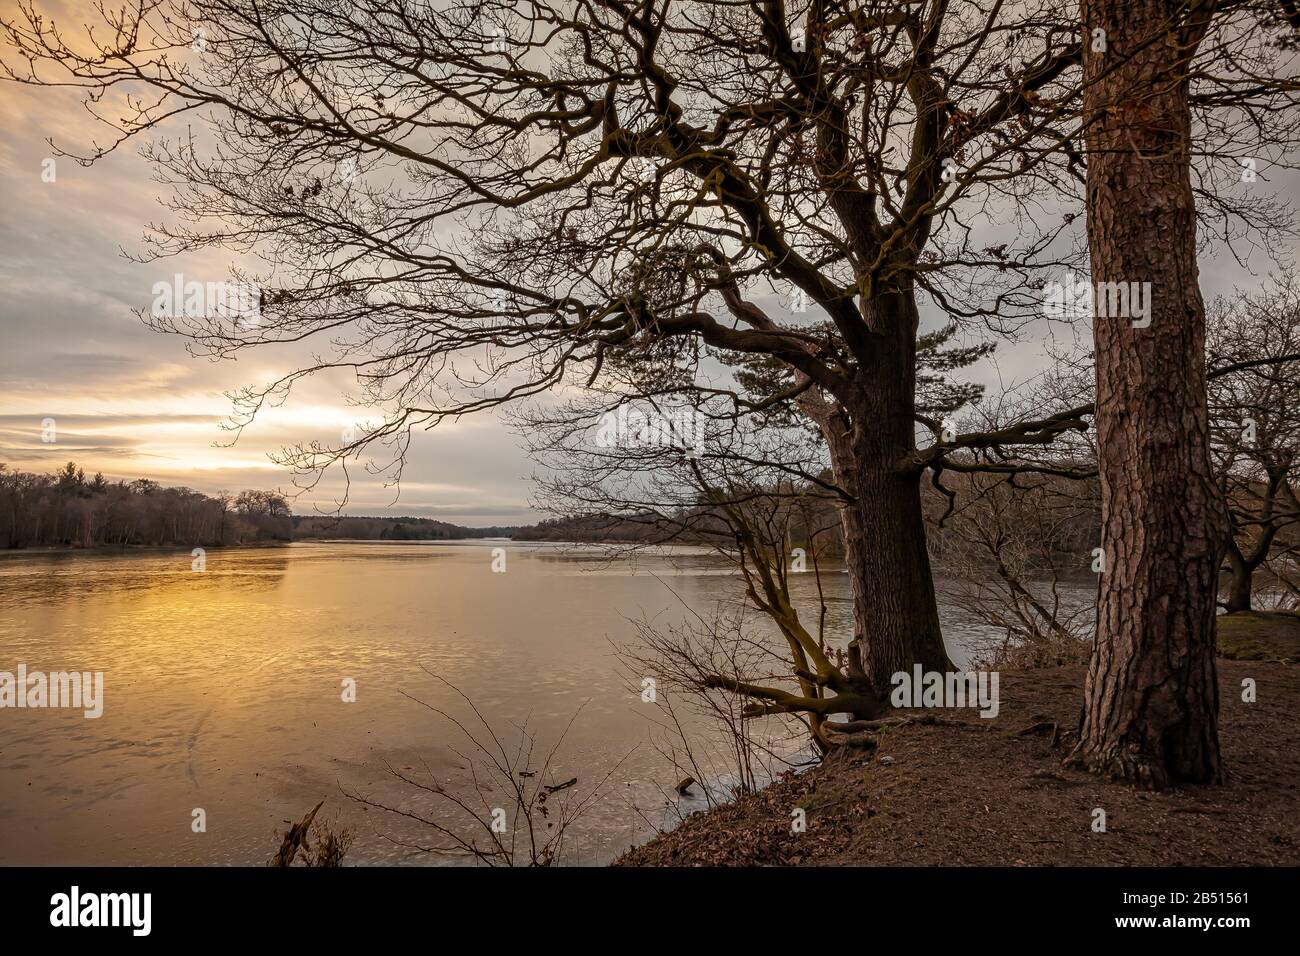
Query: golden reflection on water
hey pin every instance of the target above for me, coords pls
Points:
(223, 687)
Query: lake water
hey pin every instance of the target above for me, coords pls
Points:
(223, 691)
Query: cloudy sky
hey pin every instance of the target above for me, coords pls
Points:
(130, 402)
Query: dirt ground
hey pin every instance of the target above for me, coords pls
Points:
(983, 793)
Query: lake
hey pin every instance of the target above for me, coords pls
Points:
(224, 691)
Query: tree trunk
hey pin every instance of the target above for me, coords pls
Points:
(895, 614)
(1151, 698)
(1239, 587)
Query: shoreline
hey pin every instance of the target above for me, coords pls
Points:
(119, 548)
(967, 791)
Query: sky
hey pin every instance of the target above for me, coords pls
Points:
(132, 403)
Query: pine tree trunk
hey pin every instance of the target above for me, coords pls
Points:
(1151, 698)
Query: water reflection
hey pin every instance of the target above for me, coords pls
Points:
(222, 688)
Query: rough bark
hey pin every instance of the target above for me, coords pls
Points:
(1151, 698)
(896, 616)
(1239, 585)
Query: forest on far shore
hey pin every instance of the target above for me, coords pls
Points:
(67, 509)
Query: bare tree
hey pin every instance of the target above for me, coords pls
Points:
(480, 202)
(473, 203)
(1254, 400)
(1009, 544)
(744, 471)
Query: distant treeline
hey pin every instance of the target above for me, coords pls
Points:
(597, 528)
(389, 529)
(688, 526)
(1075, 522)
(67, 509)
